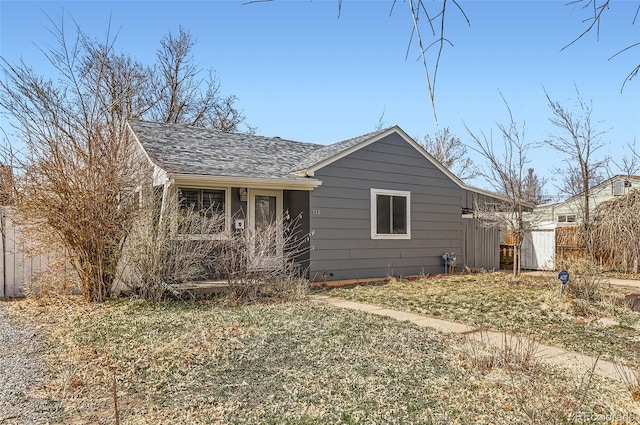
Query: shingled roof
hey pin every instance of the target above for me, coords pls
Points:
(199, 151)
(329, 151)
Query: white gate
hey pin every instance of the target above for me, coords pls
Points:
(539, 247)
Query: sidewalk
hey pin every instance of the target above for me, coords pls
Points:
(554, 355)
(631, 283)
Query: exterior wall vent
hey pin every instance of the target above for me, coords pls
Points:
(618, 187)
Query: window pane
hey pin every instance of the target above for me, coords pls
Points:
(213, 202)
(265, 217)
(189, 199)
(383, 214)
(265, 210)
(399, 215)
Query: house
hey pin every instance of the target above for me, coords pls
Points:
(555, 234)
(374, 206)
(570, 211)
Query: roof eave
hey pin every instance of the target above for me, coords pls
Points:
(260, 183)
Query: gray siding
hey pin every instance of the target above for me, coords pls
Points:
(238, 207)
(297, 203)
(482, 245)
(341, 216)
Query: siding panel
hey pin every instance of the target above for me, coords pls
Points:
(341, 214)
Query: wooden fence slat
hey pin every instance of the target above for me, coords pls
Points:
(17, 269)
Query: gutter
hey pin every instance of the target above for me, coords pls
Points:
(257, 183)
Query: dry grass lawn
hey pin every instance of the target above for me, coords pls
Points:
(530, 306)
(297, 363)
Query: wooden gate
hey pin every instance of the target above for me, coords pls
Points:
(539, 247)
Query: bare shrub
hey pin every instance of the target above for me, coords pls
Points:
(74, 177)
(513, 362)
(631, 380)
(165, 251)
(57, 279)
(586, 281)
(265, 262)
(169, 249)
(512, 351)
(73, 174)
(616, 232)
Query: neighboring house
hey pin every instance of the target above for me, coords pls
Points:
(374, 206)
(570, 212)
(554, 236)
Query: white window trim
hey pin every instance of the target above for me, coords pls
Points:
(374, 217)
(566, 217)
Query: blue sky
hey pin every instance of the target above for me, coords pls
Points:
(301, 72)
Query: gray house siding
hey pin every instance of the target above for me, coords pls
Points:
(296, 202)
(341, 214)
(238, 207)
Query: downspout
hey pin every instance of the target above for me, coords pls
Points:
(165, 196)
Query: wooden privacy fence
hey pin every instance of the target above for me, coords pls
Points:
(569, 244)
(17, 269)
(481, 244)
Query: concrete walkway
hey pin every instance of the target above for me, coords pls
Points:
(630, 283)
(554, 355)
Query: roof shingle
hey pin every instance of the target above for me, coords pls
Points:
(193, 150)
(199, 151)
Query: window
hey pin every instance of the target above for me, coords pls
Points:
(390, 214)
(209, 202)
(567, 218)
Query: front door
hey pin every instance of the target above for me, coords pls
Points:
(265, 211)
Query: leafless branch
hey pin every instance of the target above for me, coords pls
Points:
(598, 10)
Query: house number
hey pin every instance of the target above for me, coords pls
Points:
(315, 212)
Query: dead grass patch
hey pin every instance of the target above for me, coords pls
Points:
(532, 306)
(304, 363)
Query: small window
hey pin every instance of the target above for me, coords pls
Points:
(567, 218)
(390, 214)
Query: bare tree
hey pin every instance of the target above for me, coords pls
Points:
(381, 122)
(76, 177)
(450, 152)
(183, 95)
(429, 32)
(534, 188)
(628, 164)
(596, 10)
(579, 139)
(6, 184)
(506, 172)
